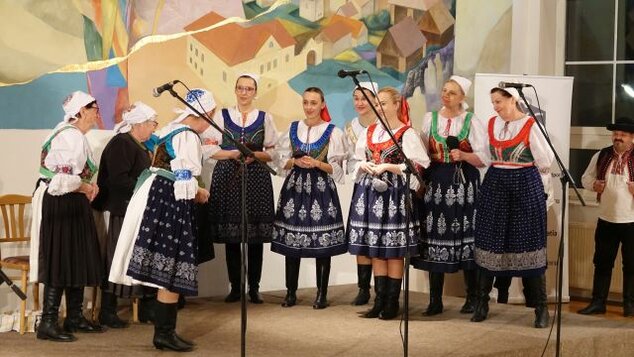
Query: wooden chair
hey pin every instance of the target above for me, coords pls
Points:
(12, 208)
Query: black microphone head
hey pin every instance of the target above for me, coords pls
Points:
(502, 84)
(452, 142)
(342, 73)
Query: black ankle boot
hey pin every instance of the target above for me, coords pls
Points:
(364, 274)
(164, 329)
(380, 289)
(75, 320)
(323, 276)
(485, 284)
(436, 283)
(108, 313)
(600, 290)
(49, 329)
(471, 284)
(234, 294)
(254, 295)
(292, 276)
(391, 307)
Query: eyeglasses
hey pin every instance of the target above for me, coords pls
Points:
(240, 89)
(93, 106)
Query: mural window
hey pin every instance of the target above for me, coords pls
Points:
(190, 60)
(224, 76)
(275, 63)
(191, 47)
(195, 65)
(287, 58)
(271, 44)
(202, 57)
(261, 68)
(201, 71)
(196, 52)
(268, 66)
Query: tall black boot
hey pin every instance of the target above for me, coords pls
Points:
(537, 288)
(470, 279)
(436, 284)
(323, 275)
(364, 274)
(485, 284)
(502, 285)
(255, 272)
(391, 307)
(164, 329)
(292, 276)
(380, 291)
(49, 329)
(233, 260)
(600, 290)
(108, 313)
(531, 300)
(147, 305)
(628, 295)
(75, 320)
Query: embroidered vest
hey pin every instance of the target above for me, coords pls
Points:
(251, 136)
(438, 150)
(513, 152)
(606, 157)
(384, 152)
(86, 174)
(164, 151)
(317, 150)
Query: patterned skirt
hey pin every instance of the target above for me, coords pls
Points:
(510, 235)
(69, 253)
(309, 223)
(377, 224)
(165, 250)
(447, 242)
(225, 204)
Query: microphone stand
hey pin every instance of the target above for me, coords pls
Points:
(5, 279)
(565, 179)
(408, 214)
(246, 153)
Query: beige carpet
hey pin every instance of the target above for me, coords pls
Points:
(338, 331)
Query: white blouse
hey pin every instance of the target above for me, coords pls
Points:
(352, 133)
(69, 148)
(187, 156)
(412, 147)
(336, 147)
(478, 137)
(270, 131)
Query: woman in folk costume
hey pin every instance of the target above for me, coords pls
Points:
(255, 129)
(377, 223)
(157, 245)
(353, 130)
(510, 235)
(308, 222)
(123, 159)
(457, 145)
(65, 249)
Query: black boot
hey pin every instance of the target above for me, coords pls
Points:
(485, 284)
(233, 260)
(531, 300)
(108, 313)
(364, 274)
(502, 284)
(391, 307)
(164, 329)
(49, 329)
(323, 275)
(436, 284)
(600, 290)
(75, 320)
(255, 272)
(380, 290)
(147, 305)
(537, 288)
(628, 295)
(471, 284)
(292, 276)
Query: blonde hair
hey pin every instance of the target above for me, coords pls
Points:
(396, 97)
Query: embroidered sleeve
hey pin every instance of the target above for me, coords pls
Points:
(66, 158)
(186, 165)
(337, 154)
(415, 151)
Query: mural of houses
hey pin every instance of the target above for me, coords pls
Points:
(402, 47)
(311, 10)
(349, 10)
(221, 54)
(264, 3)
(357, 28)
(365, 7)
(336, 38)
(331, 6)
(437, 24)
(399, 9)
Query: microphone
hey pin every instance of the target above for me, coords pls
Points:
(167, 86)
(345, 73)
(452, 142)
(513, 85)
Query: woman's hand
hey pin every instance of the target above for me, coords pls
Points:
(599, 186)
(202, 195)
(367, 167)
(456, 155)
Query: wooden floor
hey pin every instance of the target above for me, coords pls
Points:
(614, 312)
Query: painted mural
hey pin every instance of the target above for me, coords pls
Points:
(118, 50)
